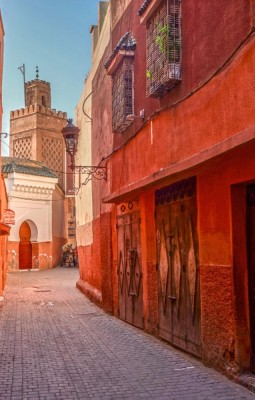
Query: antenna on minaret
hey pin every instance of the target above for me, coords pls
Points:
(37, 72)
(23, 71)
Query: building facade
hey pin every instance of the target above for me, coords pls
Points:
(94, 218)
(4, 228)
(39, 181)
(30, 188)
(179, 259)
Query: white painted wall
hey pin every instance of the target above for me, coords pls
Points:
(38, 212)
(83, 201)
(30, 197)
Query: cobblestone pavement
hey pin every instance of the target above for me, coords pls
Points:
(55, 344)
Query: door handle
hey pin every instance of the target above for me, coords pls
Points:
(172, 298)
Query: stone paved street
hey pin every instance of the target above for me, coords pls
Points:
(55, 344)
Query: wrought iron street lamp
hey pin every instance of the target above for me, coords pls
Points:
(71, 136)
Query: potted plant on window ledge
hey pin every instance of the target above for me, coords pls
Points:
(169, 45)
(174, 60)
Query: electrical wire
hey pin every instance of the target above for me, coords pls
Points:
(29, 198)
(163, 109)
(83, 105)
(36, 162)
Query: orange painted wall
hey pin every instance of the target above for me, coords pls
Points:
(95, 262)
(45, 255)
(90, 281)
(115, 276)
(223, 108)
(42, 255)
(3, 262)
(3, 196)
(13, 256)
(219, 300)
(220, 110)
(149, 266)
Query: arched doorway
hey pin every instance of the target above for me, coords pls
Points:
(25, 247)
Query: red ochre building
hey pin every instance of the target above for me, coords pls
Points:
(172, 249)
(4, 228)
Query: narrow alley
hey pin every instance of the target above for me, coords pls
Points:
(56, 344)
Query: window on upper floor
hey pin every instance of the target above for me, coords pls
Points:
(120, 65)
(163, 45)
(122, 95)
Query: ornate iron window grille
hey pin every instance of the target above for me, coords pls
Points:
(122, 95)
(163, 49)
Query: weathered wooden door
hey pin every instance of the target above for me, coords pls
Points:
(251, 266)
(130, 269)
(178, 272)
(25, 247)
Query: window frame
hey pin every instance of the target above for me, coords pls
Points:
(163, 46)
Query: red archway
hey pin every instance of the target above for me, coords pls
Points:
(25, 247)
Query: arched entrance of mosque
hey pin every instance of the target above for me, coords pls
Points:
(25, 247)
(28, 245)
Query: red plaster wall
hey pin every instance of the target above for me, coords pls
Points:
(225, 327)
(3, 262)
(45, 255)
(42, 255)
(95, 264)
(3, 196)
(106, 262)
(150, 277)
(90, 266)
(218, 338)
(210, 116)
(220, 110)
(114, 263)
(209, 36)
(13, 256)
(3, 238)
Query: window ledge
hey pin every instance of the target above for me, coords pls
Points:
(118, 59)
(149, 10)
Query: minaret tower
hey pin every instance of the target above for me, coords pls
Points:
(38, 92)
(35, 131)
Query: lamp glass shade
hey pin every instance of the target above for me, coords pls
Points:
(71, 136)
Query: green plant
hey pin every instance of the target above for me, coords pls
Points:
(165, 44)
(161, 38)
(148, 74)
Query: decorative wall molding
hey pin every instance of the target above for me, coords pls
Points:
(31, 192)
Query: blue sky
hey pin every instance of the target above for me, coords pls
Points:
(53, 34)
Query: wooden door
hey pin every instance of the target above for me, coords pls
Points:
(25, 247)
(129, 269)
(251, 266)
(178, 272)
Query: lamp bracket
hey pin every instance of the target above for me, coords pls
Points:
(91, 171)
